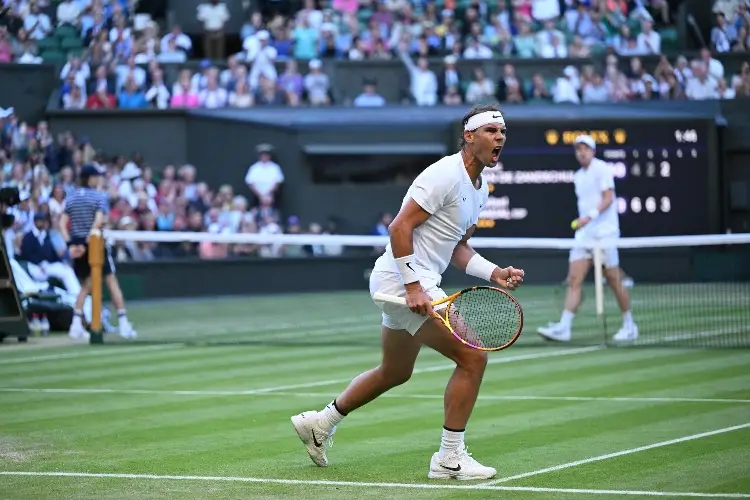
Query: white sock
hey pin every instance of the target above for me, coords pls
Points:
(627, 319)
(451, 442)
(77, 322)
(330, 416)
(567, 318)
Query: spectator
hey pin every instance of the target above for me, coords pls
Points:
(241, 97)
(6, 49)
(264, 177)
(566, 88)
(369, 96)
(317, 85)
(214, 16)
(37, 23)
(268, 94)
(131, 97)
(423, 85)
(481, 89)
(158, 95)
(68, 13)
(75, 99)
(176, 40)
(290, 82)
(45, 261)
(649, 41)
(701, 85)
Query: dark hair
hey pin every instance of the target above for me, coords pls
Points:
(475, 111)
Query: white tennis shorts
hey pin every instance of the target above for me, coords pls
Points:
(610, 256)
(395, 316)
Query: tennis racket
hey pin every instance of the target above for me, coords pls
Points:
(482, 317)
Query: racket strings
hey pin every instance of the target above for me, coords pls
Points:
(485, 318)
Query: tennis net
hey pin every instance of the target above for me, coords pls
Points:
(310, 289)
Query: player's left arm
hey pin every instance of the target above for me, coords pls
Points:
(468, 260)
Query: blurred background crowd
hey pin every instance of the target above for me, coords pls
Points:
(112, 56)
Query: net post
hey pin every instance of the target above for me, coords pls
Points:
(599, 284)
(96, 262)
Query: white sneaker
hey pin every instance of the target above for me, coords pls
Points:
(315, 439)
(126, 329)
(78, 332)
(459, 466)
(627, 333)
(555, 331)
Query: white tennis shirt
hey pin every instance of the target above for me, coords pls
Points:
(446, 192)
(590, 184)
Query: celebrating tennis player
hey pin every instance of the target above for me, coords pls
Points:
(438, 216)
(597, 219)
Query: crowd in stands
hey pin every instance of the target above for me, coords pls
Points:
(118, 59)
(44, 168)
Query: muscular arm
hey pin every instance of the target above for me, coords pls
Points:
(410, 217)
(463, 252)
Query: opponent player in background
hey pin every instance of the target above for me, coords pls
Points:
(438, 216)
(597, 219)
(86, 209)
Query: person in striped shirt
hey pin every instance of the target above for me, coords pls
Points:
(86, 209)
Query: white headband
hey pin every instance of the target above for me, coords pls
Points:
(483, 119)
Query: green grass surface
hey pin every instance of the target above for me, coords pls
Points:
(184, 422)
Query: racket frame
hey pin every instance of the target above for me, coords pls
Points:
(393, 299)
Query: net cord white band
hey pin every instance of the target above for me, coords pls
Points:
(479, 267)
(485, 118)
(381, 241)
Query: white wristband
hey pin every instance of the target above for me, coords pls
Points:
(593, 214)
(406, 269)
(480, 267)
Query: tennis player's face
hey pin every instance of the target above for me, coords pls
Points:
(584, 154)
(488, 143)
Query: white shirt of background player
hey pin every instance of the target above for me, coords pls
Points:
(445, 191)
(590, 185)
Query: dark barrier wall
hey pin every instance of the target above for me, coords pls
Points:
(262, 276)
(27, 88)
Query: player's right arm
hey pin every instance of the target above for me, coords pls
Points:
(431, 190)
(410, 217)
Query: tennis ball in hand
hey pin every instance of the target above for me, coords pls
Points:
(574, 224)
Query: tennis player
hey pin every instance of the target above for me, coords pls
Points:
(438, 216)
(598, 219)
(86, 210)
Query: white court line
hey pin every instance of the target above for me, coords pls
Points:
(416, 486)
(629, 451)
(209, 392)
(492, 361)
(94, 352)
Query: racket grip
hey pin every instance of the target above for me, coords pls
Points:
(382, 297)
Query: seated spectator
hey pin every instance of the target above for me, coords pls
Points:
(37, 23)
(131, 96)
(267, 93)
(369, 96)
(176, 40)
(158, 95)
(6, 49)
(101, 99)
(44, 260)
(649, 41)
(241, 97)
(75, 99)
(481, 89)
(183, 94)
(317, 84)
(701, 86)
(68, 13)
(290, 81)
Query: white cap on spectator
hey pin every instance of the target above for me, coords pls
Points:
(5, 113)
(262, 35)
(450, 59)
(315, 64)
(587, 140)
(570, 72)
(130, 171)
(24, 195)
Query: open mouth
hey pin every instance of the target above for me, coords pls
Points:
(496, 154)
